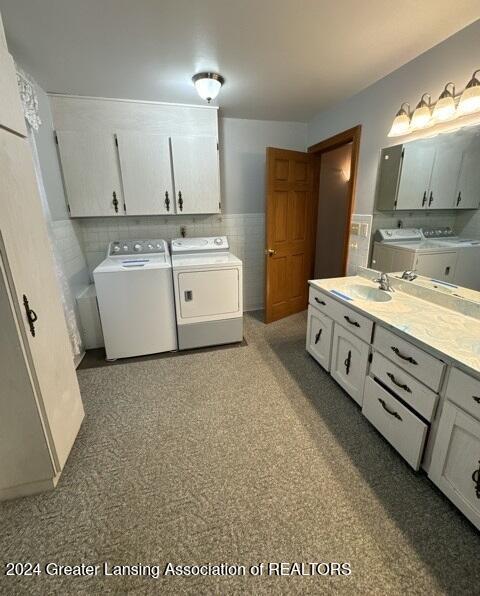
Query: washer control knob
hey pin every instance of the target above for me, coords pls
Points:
(137, 247)
(125, 247)
(116, 248)
(150, 246)
(218, 241)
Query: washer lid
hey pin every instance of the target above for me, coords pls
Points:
(133, 263)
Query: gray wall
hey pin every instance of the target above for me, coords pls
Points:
(374, 108)
(242, 159)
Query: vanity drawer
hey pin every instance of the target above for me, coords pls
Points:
(418, 363)
(464, 390)
(319, 300)
(402, 429)
(416, 395)
(355, 323)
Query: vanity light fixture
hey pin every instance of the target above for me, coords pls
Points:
(422, 116)
(401, 122)
(470, 99)
(445, 107)
(208, 84)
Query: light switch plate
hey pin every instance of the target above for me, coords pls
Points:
(355, 228)
(364, 230)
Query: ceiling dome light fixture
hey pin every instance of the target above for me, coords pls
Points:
(422, 116)
(470, 99)
(208, 84)
(401, 122)
(445, 107)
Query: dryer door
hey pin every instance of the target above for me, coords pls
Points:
(208, 294)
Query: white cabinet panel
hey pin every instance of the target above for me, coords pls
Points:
(91, 173)
(448, 157)
(11, 114)
(455, 466)
(417, 165)
(349, 362)
(467, 195)
(196, 174)
(319, 337)
(464, 391)
(146, 173)
(439, 266)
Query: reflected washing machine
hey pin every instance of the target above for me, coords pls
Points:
(135, 299)
(208, 287)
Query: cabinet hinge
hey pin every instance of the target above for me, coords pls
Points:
(124, 206)
(370, 357)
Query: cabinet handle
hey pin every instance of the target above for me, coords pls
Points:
(180, 201)
(317, 336)
(167, 201)
(475, 398)
(424, 198)
(391, 412)
(403, 357)
(430, 199)
(320, 301)
(31, 315)
(115, 201)
(348, 362)
(459, 198)
(349, 320)
(476, 481)
(395, 382)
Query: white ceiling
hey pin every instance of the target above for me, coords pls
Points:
(282, 59)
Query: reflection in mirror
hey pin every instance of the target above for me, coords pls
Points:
(426, 214)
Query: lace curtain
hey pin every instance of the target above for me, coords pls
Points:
(29, 99)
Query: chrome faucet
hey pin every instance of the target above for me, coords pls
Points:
(384, 282)
(409, 275)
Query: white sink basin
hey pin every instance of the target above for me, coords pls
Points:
(370, 294)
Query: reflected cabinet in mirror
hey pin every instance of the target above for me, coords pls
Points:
(441, 172)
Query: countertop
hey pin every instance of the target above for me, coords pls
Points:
(447, 334)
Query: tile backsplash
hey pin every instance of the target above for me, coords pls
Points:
(246, 234)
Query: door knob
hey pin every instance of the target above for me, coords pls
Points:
(270, 252)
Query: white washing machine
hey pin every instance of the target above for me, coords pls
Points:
(208, 285)
(401, 249)
(135, 298)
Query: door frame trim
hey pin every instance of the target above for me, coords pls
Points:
(351, 135)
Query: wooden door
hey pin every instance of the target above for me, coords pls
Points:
(196, 174)
(91, 173)
(448, 158)
(417, 165)
(290, 225)
(30, 270)
(146, 173)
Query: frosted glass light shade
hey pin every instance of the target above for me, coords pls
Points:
(400, 126)
(422, 116)
(444, 109)
(470, 100)
(208, 85)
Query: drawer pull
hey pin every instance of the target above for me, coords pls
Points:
(349, 320)
(391, 412)
(348, 362)
(317, 336)
(475, 398)
(320, 301)
(395, 382)
(476, 480)
(403, 357)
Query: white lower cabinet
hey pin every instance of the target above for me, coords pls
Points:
(349, 362)
(455, 466)
(402, 429)
(319, 337)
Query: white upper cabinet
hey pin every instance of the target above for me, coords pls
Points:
(448, 157)
(467, 194)
(416, 172)
(146, 173)
(196, 174)
(91, 173)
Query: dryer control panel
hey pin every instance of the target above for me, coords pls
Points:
(136, 247)
(194, 245)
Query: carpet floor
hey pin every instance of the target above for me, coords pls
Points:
(242, 456)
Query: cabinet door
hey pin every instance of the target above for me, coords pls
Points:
(439, 266)
(30, 269)
(467, 195)
(91, 173)
(349, 362)
(11, 114)
(319, 337)
(455, 466)
(196, 174)
(446, 169)
(417, 165)
(146, 173)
